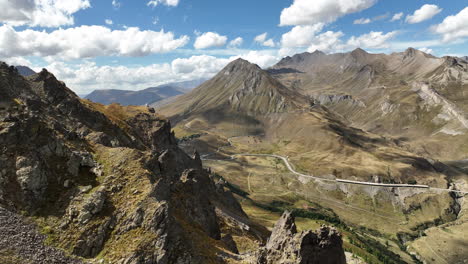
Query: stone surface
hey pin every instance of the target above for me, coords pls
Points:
(286, 245)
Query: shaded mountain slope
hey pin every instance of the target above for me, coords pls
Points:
(25, 71)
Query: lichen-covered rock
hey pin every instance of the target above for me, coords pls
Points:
(31, 176)
(287, 246)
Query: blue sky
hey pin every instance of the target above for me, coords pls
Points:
(128, 44)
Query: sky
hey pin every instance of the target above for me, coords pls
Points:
(135, 44)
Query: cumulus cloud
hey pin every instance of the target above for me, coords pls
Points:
(235, 43)
(263, 58)
(362, 21)
(306, 12)
(209, 40)
(109, 22)
(300, 36)
(372, 40)
(262, 40)
(44, 13)
(426, 50)
(86, 42)
(88, 76)
(327, 42)
(199, 66)
(397, 16)
(424, 13)
(154, 3)
(453, 27)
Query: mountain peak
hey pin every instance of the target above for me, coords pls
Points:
(359, 52)
(25, 70)
(411, 52)
(240, 65)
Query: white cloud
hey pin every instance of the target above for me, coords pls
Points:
(116, 4)
(209, 40)
(327, 42)
(453, 27)
(109, 22)
(86, 77)
(237, 42)
(44, 13)
(372, 40)
(426, 50)
(263, 58)
(300, 36)
(17, 61)
(397, 16)
(362, 21)
(262, 40)
(154, 3)
(306, 12)
(86, 42)
(201, 66)
(424, 13)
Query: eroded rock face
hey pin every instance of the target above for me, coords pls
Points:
(31, 176)
(286, 245)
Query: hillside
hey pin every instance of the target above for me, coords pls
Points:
(244, 110)
(84, 179)
(409, 95)
(142, 97)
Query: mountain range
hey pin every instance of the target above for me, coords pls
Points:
(242, 167)
(382, 118)
(142, 97)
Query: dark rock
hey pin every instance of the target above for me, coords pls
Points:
(286, 245)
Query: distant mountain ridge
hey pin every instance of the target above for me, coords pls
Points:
(409, 94)
(142, 97)
(25, 70)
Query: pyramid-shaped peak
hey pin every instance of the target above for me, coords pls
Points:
(359, 52)
(240, 65)
(318, 52)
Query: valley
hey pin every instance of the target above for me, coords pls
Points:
(322, 153)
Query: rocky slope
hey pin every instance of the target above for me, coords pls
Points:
(286, 245)
(241, 87)
(388, 95)
(106, 184)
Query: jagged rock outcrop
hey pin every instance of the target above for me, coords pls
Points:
(287, 245)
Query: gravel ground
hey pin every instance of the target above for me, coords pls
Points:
(23, 239)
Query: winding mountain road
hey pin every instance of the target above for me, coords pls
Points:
(342, 181)
(385, 185)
